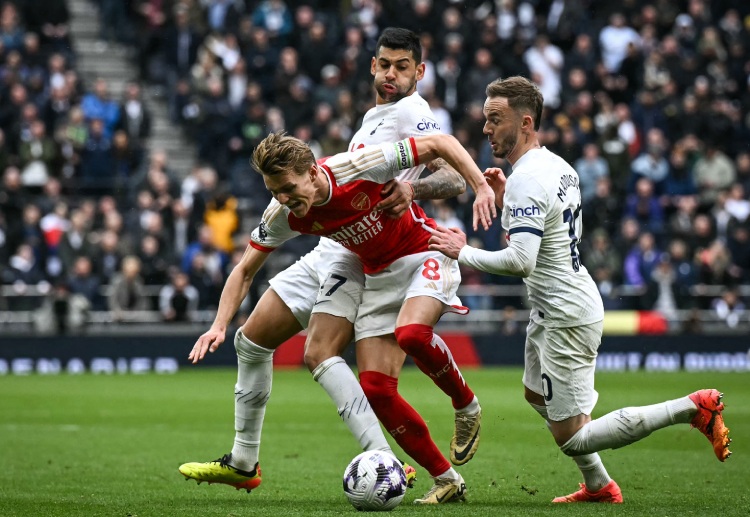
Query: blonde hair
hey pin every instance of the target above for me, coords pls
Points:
(522, 95)
(279, 153)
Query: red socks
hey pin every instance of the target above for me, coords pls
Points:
(403, 422)
(433, 357)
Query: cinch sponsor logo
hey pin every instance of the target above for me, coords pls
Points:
(427, 125)
(521, 211)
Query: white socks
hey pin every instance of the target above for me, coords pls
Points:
(472, 409)
(595, 476)
(251, 394)
(335, 376)
(449, 474)
(628, 425)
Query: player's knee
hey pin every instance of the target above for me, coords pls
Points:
(572, 444)
(411, 338)
(313, 358)
(249, 352)
(379, 388)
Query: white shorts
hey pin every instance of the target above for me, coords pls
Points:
(560, 364)
(327, 279)
(423, 274)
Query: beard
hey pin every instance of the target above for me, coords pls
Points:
(505, 146)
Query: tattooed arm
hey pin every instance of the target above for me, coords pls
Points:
(444, 182)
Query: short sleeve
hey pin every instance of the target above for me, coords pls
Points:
(273, 229)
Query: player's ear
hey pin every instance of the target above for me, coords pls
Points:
(527, 123)
(313, 171)
(373, 65)
(420, 71)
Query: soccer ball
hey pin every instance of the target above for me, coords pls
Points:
(374, 481)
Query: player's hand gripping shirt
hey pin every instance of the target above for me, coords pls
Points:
(542, 197)
(348, 215)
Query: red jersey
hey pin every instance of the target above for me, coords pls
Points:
(348, 216)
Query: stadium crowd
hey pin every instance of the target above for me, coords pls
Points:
(648, 100)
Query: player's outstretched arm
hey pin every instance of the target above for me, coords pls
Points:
(448, 148)
(235, 290)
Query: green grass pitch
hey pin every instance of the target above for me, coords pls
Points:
(110, 445)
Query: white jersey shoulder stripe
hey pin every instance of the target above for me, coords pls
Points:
(272, 211)
(363, 162)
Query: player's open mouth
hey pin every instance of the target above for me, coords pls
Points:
(389, 88)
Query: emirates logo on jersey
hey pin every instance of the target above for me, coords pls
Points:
(361, 202)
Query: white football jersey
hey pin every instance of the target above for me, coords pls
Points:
(386, 123)
(543, 197)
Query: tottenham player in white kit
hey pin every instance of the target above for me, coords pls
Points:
(541, 212)
(286, 308)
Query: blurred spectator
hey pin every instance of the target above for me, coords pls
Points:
(641, 261)
(206, 281)
(713, 172)
(215, 259)
(644, 207)
(604, 209)
(680, 180)
(11, 29)
(98, 106)
(75, 242)
(178, 299)
(24, 269)
(545, 61)
(154, 261)
(83, 280)
(97, 161)
(221, 216)
(38, 156)
(108, 256)
(614, 40)
(598, 254)
(651, 164)
(716, 265)
(272, 15)
(127, 290)
(729, 308)
(181, 42)
(135, 117)
(590, 168)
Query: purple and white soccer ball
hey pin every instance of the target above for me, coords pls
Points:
(374, 481)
